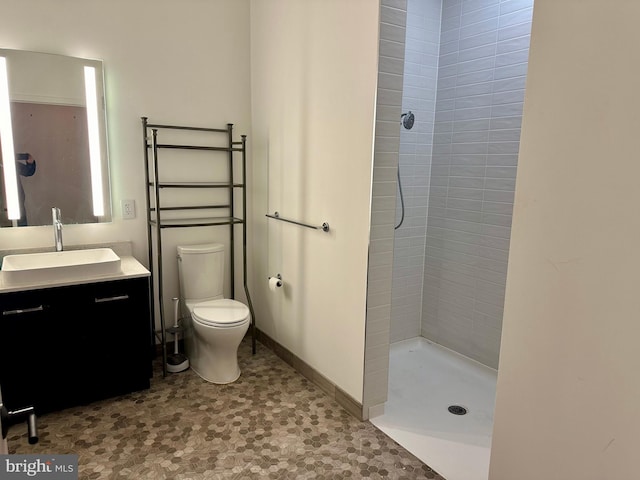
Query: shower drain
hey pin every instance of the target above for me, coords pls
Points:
(457, 410)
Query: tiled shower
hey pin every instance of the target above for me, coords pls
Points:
(464, 79)
(465, 64)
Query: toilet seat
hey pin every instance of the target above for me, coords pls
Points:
(223, 313)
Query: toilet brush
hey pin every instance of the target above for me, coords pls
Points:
(176, 362)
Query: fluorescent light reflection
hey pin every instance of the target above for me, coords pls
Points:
(8, 153)
(94, 140)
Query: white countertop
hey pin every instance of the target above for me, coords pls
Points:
(129, 266)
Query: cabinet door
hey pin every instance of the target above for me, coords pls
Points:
(36, 365)
(117, 337)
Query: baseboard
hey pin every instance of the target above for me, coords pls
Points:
(345, 400)
(376, 411)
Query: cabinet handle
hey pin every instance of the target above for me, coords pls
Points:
(112, 299)
(23, 310)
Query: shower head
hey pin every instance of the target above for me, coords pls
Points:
(407, 120)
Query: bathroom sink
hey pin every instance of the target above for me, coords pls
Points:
(59, 266)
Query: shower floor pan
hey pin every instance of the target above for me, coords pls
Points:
(425, 379)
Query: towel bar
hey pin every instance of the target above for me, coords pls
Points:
(324, 227)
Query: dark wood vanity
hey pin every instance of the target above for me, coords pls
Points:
(70, 345)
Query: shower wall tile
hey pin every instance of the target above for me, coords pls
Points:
(391, 49)
(397, 4)
(518, 17)
(483, 39)
(419, 96)
(512, 57)
(386, 113)
(510, 71)
(391, 65)
(393, 21)
(480, 15)
(471, 5)
(393, 33)
(389, 97)
(508, 6)
(383, 174)
(393, 15)
(478, 116)
(513, 96)
(513, 31)
(386, 129)
(390, 81)
(511, 44)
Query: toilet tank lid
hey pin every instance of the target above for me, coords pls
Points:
(202, 248)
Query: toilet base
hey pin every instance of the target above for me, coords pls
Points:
(213, 352)
(217, 382)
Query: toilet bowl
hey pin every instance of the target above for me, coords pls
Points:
(214, 326)
(217, 328)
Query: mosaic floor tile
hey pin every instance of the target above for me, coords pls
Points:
(272, 423)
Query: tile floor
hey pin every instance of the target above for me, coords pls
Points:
(271, 423)
(424, 380)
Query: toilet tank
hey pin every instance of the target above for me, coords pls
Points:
(201, 271)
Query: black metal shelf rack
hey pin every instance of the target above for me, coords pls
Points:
(156, 222)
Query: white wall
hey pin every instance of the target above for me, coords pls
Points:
(314, 69)
(176, 62)
(568, 401)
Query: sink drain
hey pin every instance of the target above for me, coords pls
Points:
(457, 410)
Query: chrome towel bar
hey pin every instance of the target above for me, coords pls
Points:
(324, 227)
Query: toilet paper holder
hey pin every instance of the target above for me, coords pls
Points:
(277, 277)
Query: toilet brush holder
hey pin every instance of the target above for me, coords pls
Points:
(176, 361)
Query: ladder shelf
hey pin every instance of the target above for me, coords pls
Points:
(157, 222)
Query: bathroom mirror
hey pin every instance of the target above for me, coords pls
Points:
(60, 129)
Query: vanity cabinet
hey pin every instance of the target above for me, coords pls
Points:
(71, 345)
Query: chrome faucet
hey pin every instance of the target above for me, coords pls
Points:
(57, 228)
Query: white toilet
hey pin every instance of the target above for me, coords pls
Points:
(214, 326)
